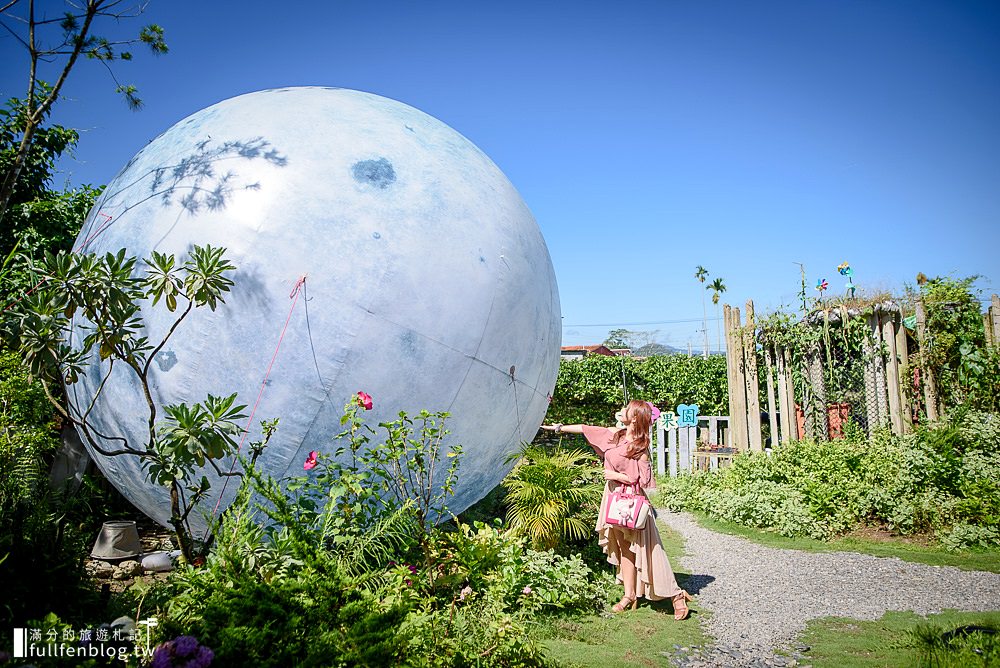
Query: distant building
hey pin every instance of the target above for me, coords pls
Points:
(579, 352)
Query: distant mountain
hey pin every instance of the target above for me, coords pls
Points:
(651, 349)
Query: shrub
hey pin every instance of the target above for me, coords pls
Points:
(553, 494)
(42, 546)
(313, 617)
(481, 633)
(943, 480)
(341, 567)
(961, 647)
(967, 370)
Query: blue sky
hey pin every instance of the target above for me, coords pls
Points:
(646, 137)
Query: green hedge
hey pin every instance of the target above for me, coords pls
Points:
(590, 390)
(943, 480)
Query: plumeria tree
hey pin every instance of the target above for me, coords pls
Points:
(102, 294)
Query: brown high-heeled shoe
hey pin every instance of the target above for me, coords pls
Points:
(681, 610)
(625, 604)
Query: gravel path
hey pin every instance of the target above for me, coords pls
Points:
(761, 597)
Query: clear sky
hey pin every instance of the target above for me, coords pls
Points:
(646, 137)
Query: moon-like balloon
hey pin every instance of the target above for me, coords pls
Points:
(427, 282)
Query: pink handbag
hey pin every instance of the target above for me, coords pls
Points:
(627, 509)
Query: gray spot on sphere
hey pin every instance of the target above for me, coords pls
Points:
(166, 359)
(378, 173)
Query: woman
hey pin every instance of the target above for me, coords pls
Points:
(642, 564)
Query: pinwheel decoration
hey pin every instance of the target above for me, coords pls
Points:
(821, 286)
(845, 270)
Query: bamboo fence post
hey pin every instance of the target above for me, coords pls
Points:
(752, 383)
(892, 374)
(772, 419)
(995, 318)
(871, 401)
(787, 410)
(902, 349)
(926, 376)
(821, 425)
(790, 387)
(727, 325)
(808, 396)
(878, 366)
(739, 419)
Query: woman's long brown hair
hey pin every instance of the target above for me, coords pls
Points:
(642, 417)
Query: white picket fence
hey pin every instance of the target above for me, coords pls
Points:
(677, 447)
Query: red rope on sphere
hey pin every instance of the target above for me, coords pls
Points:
(99, 232)
(294, 296)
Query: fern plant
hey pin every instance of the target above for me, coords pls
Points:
(552, 494)
(42, 545)
(301, 520)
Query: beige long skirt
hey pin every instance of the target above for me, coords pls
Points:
(655, 579)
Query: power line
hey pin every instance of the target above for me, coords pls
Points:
(681, 321)
(637, 324)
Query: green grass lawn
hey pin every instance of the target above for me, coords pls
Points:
(907, 550)
(633, 638)
(888, 642)
(638, 638)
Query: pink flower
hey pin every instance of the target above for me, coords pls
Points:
(365, 400)
(466, 591)
(526, 590)
(654, 412)
(311, 460)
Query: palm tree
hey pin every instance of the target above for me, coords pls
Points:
(552, 494)
(701, 274)
(717, 287)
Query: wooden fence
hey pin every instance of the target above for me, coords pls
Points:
(886, 354)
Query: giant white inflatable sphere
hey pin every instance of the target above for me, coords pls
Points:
(427, 282)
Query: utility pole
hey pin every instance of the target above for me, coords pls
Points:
(701, 274)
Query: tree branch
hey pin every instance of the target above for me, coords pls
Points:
(100, 389)
(157, 349)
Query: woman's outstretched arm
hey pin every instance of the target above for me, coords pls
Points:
(599, 438)
(565, 428)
